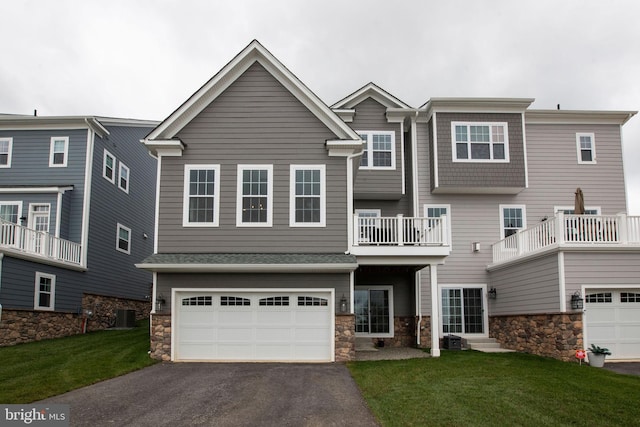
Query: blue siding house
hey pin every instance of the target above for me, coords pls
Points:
(76, 213)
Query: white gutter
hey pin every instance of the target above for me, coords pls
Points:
(253, 268)
(418, 307)
(86, 209)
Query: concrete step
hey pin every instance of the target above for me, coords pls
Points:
(487, 345)
(365, 344)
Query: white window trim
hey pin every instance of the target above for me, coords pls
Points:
(369, 151)
(9, 151)
(30, 222)
(123, 166)
(292, 196)
(557, 209)
(11, 203)
(36, 296)
(470, 160)
(524, 217)
(269, 222)
(66, 151)
(485, 311)
(448, 208)
(377, 212)
(118, 228)
(392, 331)
(104, 167)
(216, 196)
(593, 148)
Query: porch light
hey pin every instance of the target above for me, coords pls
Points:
(475, 246)
(493, 293)
(343, 304)
(576, 301)
(160, 301)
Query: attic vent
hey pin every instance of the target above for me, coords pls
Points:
(125, 318)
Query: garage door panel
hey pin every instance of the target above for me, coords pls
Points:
(307, 317)
(629, 314)
(237, 317)
(237, 334)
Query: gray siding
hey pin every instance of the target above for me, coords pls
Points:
(339, 282)
(35, 198)
(378, 184)
(255, 121)
(530, 287)
(452, 175)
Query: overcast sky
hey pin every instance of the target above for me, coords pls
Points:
(142, 59)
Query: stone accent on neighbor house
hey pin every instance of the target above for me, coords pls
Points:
(161, 337)
(21, 325)
(556, 335)
(345, 338)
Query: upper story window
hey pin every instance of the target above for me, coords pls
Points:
(480, 142)
(6, 146)
(586, 145)
(307, 204)
(45, 292)
(436, 211)
(255, 195)
(10, 211)
(123, 239)
(379, 150)
(109, 167)
(512, 219)
(59, 151)
(123, 178)
(201, 195)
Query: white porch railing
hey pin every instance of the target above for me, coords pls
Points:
(570, 230)
(32, 242)
(400, 231)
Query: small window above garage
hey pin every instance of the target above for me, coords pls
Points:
(198, 300)
(305, 300)
(234, 301)
(281, 301)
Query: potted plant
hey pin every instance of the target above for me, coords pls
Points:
(597, 356)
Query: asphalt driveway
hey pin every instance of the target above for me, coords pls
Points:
(222, 394)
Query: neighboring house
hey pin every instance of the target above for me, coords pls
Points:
(285, 228)
(76, 214)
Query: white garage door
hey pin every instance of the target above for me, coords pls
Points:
(254, 326)
(613, 321)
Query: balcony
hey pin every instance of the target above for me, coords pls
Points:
(575, 231)
(400, 236)
(38, 246)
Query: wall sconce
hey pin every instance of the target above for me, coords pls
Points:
(475, 246)
(493, 293)
(160, 301)
(145, 236)
(343, 304)
(576, 301)
(88, 313)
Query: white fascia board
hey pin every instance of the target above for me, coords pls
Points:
(249, 268)
(36, 190)
(476, 105)
(164, 147)
(373, 91)
(342, 148)
(346, 115)
(577, 117)
(96, 127)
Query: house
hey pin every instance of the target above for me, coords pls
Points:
(286, 228)
(76, 213)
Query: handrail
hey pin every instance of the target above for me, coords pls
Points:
(400, 231)
(22, 239)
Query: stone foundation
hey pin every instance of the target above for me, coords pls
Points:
(21, 326)
(425, 332)
(345, 338)
(161, 337)
(404, 333)
(556, 335)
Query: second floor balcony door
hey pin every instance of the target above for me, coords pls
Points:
(39, 221)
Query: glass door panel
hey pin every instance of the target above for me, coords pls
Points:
(462, 311)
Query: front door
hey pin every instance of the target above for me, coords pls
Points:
(374, 311)
(39, 221)
(463, 311)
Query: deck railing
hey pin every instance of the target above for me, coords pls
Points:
(570, 229)
(37, 243)
(400, 231)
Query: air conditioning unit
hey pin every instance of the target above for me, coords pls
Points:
(125, 318)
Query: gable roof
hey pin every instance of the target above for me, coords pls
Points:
(253, 53)
(370, 90)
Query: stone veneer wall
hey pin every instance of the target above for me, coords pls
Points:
(425, 332)
(345, 338)
(404, 333)
(556, 335)
(161, 337)
(20, 326)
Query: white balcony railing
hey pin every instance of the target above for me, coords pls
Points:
(400, 231)
(36, 243)
(608, 230)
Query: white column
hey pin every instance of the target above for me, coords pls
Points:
(435, 315)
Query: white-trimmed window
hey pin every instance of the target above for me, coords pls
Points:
(379, 150)
(307, 196)
(10, 211)
(480, 142)
(45, 292)
(586, 145)
(255, 196)
(512, 219)
(109, 167)
(436, 211)
(123, 177)
(6, 147)
(59, 151)
(369, 224)
(201, 202)
(123, 239)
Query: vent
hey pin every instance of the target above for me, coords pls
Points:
(125, 318)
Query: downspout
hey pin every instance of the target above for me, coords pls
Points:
(350, 183)
(1, 256)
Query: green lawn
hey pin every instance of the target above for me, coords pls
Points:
(468, 388)
(34, 371)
